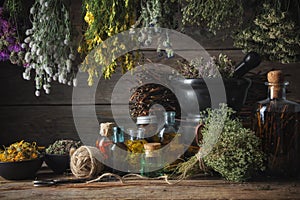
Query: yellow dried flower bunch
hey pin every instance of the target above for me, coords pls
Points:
(105, 19)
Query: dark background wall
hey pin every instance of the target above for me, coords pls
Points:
(49, 117)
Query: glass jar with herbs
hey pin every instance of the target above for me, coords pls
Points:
(135, 148)
(276, 122)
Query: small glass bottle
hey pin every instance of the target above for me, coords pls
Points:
(135, 146)
(104, 140)
(149, 124)
(118, 151)
(151, 162)
(276, 122)
(131, 132)
(168, 132)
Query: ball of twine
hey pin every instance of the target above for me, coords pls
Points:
(84, 162)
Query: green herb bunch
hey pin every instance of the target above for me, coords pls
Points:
(155, 15)
(226, 147)
(198, 68)
(213, 15)
(62, 147)
(48, 44)
(273, 35)
(236, 155)
(16, 10)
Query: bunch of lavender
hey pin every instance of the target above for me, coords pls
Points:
(10, 46)
(49, 53)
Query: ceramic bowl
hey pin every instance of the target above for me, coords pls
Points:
(21, 169)
(58, 163)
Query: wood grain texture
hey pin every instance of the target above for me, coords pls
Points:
(45, 124)
(206, 188)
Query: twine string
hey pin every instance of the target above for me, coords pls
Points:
(84, 164)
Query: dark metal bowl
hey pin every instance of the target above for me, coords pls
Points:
(196, 89)
(58, 163)
(21, 169)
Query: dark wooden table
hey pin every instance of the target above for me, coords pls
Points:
(135, 188)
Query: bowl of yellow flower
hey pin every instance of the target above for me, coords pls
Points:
(20, 160)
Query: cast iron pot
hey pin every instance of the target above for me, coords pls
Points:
(188, 89)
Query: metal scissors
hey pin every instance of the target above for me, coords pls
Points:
(51, 182)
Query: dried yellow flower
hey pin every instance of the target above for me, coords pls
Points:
(19, 151)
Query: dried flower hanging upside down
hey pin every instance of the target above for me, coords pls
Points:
(48, 42)
(105, 19)
(273, 35)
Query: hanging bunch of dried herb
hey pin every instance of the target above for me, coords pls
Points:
(234, 153)
(49, 50)
(213, 15)
(155, 15)
(272, 34)
(14, 21)
(18, 13)
(105, 19)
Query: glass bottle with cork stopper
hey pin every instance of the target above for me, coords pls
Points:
(104, 140)
(276, 122)
(151, 162)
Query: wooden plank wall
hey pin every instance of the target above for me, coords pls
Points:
(50, 117)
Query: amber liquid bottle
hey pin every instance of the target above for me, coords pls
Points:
(276, 122)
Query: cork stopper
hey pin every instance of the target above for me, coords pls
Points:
(275, 76)
(106, 129)
(276, 80)
(152, 146)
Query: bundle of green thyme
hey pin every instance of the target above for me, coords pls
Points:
(213, 15)
(226, 148)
